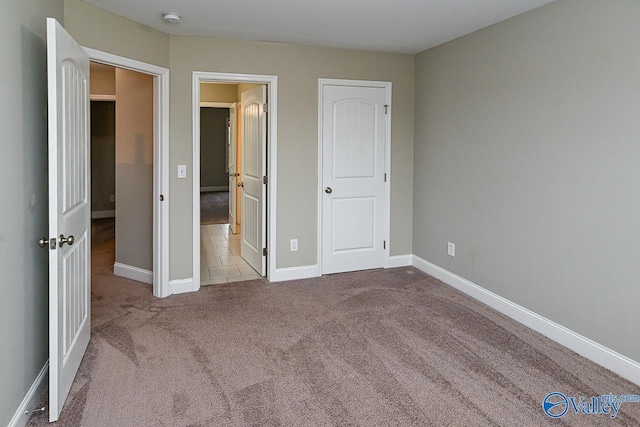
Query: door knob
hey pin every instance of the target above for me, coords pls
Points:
(328, 190)
(241, 184)
(62, 240)
(43, 242)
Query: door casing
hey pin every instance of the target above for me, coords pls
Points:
(272, 140)
(387, 202)
(160, 161)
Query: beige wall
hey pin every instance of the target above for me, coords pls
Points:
(216, 92)
(24, 306)
(298, 69)
(134, 169)
(102, 30)
(527, 157)
(103, 79)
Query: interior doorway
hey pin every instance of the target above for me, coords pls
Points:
(222, 139)
(122, 153)
(160, 209)
(256, 115)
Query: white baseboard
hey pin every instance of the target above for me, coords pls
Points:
(103, 214)
(294, 273)
(180, 286)
(133, 273)
(616, 362)
(216, 188)
(21, 417)
(400, 261)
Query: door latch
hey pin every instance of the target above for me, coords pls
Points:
(43, 242)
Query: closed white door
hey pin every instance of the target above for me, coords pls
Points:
(233, 155)
(354, 132)
(69, 212)
(253, 186)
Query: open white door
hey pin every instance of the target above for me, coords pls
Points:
(233, 155)
(254, 188)
(69, 212)
(354, 137)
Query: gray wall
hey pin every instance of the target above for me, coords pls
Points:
(527, 156)
(213, 147)
(103, 155)
(134, 169)
(23, 216)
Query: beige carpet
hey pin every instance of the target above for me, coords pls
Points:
(392, 347)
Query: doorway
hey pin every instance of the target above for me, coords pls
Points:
(160, 154)
(122, 154)
(256, 178)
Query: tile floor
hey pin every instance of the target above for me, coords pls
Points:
(220, 260)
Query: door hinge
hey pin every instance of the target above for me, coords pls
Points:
(265, 180)
(265, 107)
(264, 251)
(384, 244)
(386, 109)
(385, 177)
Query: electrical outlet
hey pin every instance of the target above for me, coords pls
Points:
(112, 198)
(451, 249)
(293, 245)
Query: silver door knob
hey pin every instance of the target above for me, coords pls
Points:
(328, 190)
(62, 240)
(43, 242)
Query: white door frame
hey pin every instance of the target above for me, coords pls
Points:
(387, 162)
(272, 141)
(160, 161)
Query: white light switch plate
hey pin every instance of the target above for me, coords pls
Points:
(182, 171)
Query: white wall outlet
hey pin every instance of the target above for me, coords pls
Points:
(451, 249)
(112, 198)
(182, 171)
(293, 245)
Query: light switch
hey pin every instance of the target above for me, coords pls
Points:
(182, 171)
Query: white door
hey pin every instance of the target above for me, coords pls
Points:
(233, 154)
(254, 163)
(354, 132)
(69, 212)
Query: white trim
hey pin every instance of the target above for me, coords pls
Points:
(103, 214)
(215, 188)
(387, 164)
(21, 416)
(210, 104)
(96, 97)
(133, 273)
(181, 286)
(160, 161)
(272, 159)
(597, 353)
(400, 261)
(294, 273)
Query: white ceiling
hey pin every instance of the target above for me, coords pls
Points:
(403, 26)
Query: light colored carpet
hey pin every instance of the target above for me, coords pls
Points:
(384, 347)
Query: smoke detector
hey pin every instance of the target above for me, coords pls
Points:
(171, 17)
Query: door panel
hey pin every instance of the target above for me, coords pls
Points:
(254, 165)
(233, 154)
(69, 212)
(354, 129)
